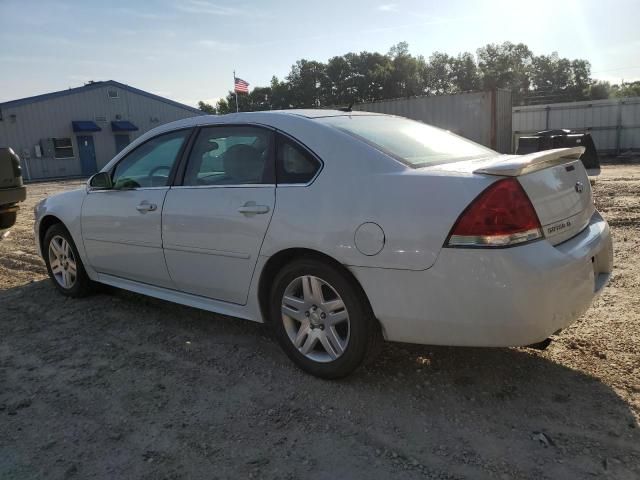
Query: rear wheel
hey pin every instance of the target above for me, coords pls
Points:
(321, 319)
(63, 263)
(8, 218)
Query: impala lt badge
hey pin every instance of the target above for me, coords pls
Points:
(579, 187)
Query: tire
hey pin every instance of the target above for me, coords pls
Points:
(317, 340)
(7, 219)
(70, 282)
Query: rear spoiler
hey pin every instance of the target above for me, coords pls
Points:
(515, 165)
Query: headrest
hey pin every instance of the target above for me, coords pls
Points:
(243, 164)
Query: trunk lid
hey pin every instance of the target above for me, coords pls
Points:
(561, 196)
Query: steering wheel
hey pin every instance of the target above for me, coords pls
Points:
(159, 167)
(154, 170)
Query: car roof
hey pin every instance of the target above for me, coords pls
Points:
(267, 117)
(320, 112)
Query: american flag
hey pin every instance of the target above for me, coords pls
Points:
(240, 86)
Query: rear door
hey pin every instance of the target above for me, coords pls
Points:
(121, 227)
(214, 221)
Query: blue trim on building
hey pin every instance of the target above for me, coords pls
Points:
(85, 126)
(123, 126)
(92, 86)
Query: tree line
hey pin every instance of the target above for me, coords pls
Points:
(371, 76)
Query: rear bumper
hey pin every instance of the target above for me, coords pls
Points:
(503, 297)
(10, 196)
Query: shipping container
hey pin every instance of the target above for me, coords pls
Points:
(484, 117)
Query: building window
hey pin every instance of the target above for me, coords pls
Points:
(62, 148)
(113, 94)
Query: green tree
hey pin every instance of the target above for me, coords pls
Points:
(465, 76)
(507, 65)
(405, 79)
(581, 70)
(206, 108)
(438, 73)
(599, 91)
(260, 98)
(371, 76)
(306, 79)
(627, 89)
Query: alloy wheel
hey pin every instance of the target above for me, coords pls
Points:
(315, 318)
(62, 262)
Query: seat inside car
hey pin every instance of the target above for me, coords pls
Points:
(243, 164)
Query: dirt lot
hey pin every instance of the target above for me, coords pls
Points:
(122, 386)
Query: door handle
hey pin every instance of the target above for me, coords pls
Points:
(145, 207)
(250, 208)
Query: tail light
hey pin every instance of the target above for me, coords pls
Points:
(501, 216)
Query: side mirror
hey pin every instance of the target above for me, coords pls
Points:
(100, 181)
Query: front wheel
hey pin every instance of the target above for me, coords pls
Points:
(321, 318)
(63, 263)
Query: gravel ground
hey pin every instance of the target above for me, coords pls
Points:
(122, 386)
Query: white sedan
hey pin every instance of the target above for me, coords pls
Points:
(338, 229)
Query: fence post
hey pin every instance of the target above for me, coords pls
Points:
(493, 136)
(619, 127)
(546, 122)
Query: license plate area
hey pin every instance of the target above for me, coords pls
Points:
(601, 271)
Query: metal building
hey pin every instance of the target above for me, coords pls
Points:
(614, 124)
(76, 132)
(484, 117)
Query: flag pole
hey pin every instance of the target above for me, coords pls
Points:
(234, 89)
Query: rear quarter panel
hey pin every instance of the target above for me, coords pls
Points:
(416, 208)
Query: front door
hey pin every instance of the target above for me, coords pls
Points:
(122, 140)
(121, 226)
(214, 223)
(87, 153)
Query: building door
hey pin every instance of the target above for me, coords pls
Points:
(87, 154)
(122, 140)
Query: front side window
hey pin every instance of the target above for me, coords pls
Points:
(62, 147)
(294, 164)
(230, 156)
(413, 143)
(150, 164)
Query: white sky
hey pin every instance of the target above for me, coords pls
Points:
(187, 50)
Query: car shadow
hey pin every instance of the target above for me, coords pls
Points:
(118, 384)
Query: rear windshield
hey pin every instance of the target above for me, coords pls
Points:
(413, 143)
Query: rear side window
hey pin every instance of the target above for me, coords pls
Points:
(234, 155)
(294, 163)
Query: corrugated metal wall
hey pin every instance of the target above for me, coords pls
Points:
(52, 117)
(483, 117)
(614, 124)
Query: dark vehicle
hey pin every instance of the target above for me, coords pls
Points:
(548, 139)
(12, 190)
